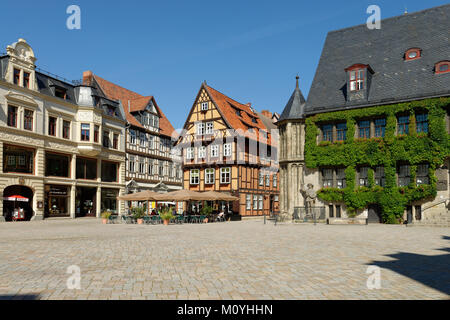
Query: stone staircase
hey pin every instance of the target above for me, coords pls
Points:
(436, 218)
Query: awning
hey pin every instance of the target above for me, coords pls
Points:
(16, 198)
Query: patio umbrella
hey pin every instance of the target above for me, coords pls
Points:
(16, 198)
(145, 195)
(220, 196)
(181, 195)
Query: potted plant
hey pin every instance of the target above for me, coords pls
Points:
(206, 211)
(105, 216)
(138, 214)
(166, 215)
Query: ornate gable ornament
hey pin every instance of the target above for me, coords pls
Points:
(21, 99)
(21, 53)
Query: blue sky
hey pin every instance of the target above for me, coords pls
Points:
(249, 50)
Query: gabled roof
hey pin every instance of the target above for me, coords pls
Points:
(394, 79)
(137, 103)
(295, 108)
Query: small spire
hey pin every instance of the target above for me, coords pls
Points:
(297, 77)
(406, 11)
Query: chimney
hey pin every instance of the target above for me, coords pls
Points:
(266, 113)
(87, 78)
(129, 106)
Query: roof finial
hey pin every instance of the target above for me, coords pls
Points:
(297, 77)
(406, 11)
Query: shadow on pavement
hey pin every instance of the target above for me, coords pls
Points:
(432, 271)
(19, 297)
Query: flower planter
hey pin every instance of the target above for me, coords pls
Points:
(166, 222)
(140, 221)
(104, 221)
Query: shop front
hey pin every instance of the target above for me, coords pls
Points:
(109, 200)
(56, 201)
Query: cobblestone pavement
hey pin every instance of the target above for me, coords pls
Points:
(232, 260)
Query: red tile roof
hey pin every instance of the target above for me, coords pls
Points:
(228, 106)
(137, 103)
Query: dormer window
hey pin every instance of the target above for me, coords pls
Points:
(26, 79)
(442, 67)
(254, 120)
(111, 111)
(16, 76)
(357, 79)
(412, 54)
(60, 93)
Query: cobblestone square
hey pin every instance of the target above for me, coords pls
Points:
(232, 260)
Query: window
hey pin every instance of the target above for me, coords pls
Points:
(261, 203)
(52, 126)
(422, 123)
(28, 120)
(194, 176)
(161, 168)
(363, 176)
(60, 93)
(403, 175)
(261, 178)
(412, 54)
(200, 128)
(204, 106)
(275, 180)
(418, 212)
(209, 127)
(340, 178)
(85, 127)
(214, 151)
(225, 175)
(115, 141)
(403, 125)
(202, 152)
(380, 128)
(150, 166)
(338, 211)
(327, 132)
(255, 202)
(442, 67)
(132, 137)
(151, 142)
(327, 178)
(379, 176)
(106, 139)
(111, 111)
(227, 149)
(16, 76)
(26, 79)
(267, 180)
(12, 116)
(422, 174)
(131, 164)
(17, 159)
(248, 202)
(209, 176)
(356, 80)
(96, 131)
(141, 165)
(142, 139)
(190, 153)
(66, 129)
(86, 169)
(331, 211)
(109, 171)
(364, 129)
(341, 131)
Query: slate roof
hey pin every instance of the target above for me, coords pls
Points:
(137, 103)
(394, 79)
(295, 108)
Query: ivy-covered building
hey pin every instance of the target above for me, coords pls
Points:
(373, 135)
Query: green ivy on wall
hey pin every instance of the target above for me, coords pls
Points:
(414, 148)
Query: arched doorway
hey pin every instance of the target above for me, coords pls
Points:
(9, 206)
(374, 214)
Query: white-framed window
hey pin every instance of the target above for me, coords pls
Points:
(267, 180)
(141, 165)
(261, 178)
(255, 202)
(151, 142)
(202, 152)
(261, 203)
(132, 137)
(161, 168)
(194, 176)
(204, 106)
(227, 149)
(131, 163)
(276, 198)
(200, 128)
(209, 176)
(248, 202)
(214, 150)
(142, 139)
(150, 166)
(225, 175)
(190, 153)
(209, 127)
(275, 180)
